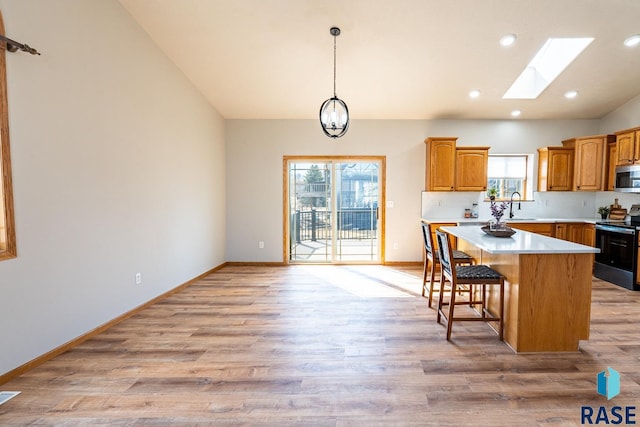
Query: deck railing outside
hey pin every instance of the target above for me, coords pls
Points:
(352, 223)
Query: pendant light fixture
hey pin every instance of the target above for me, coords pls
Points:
(334, 114)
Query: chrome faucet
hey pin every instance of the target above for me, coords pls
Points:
(511, 203)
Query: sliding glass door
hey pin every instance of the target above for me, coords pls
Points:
(334, 210)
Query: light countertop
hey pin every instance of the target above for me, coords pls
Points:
(515, 220)
(522, 242)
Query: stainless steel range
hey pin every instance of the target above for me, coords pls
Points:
(618, 242)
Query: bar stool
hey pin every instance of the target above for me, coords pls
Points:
(431, 257)
(471, 276)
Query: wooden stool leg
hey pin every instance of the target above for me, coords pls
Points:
(424, 276)
(452, 303)
(484, 300)
(442, 279)
(500, 324)
(432, 278)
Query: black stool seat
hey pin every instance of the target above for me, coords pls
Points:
(476, 272)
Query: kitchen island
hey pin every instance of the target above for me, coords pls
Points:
(547, 287)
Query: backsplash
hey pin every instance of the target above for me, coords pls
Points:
(560, 204)
(606, 198)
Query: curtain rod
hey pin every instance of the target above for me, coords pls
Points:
(13, 46)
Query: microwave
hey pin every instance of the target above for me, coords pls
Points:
(628, 179)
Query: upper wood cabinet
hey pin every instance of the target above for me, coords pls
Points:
(628, 146)
(612, 159)
(555, 169)
(451, 168)
(590, 162)
(440, 165)
(471, 168)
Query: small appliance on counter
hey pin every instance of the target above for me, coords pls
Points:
(634, 214)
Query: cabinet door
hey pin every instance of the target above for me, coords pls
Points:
(626, 148)
(560, 170)
(575, 233)
(471, 169)
(440, 170)
(589, 158)
(636, 139)
(561, 231)
(434, 239)
(611, 173)
(589, 235)
(543, 228)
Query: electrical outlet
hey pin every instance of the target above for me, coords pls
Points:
(138, 278)
(261, 245)
(395, 246)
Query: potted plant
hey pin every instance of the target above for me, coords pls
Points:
(492, 193)
(604, 211)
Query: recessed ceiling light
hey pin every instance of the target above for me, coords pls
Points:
(551, 60)
(632, 41)
(516, 113)
(571, 94)
(474, 93)
(508, 40)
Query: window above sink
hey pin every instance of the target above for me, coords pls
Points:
(508, 173)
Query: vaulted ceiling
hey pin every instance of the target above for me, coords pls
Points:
(401, 59)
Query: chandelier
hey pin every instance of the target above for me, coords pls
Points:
(334, 114)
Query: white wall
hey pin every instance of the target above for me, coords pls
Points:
(625, 117)
(118, 168)
(255, 149)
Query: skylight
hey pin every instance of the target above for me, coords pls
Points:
(549, 62)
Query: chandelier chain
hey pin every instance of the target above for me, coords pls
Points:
(334, 66)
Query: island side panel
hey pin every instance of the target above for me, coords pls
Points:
(555, 301)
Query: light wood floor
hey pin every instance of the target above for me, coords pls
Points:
(322, 345)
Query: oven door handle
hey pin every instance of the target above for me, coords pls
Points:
(615, 229)
(623, 245)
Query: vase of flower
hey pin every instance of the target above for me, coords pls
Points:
(497, 211)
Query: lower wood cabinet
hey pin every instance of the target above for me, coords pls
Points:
(577, 232)
(435, 226)
(589, 235)
(544, 228)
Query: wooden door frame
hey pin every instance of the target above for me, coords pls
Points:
(6, 202)
(285, 196)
